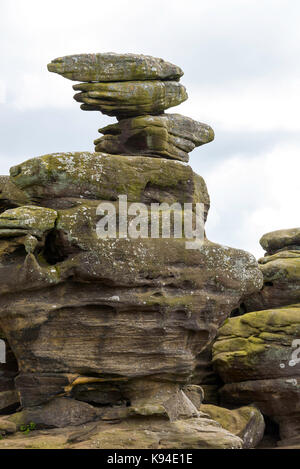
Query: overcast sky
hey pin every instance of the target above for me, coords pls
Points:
(242, 74)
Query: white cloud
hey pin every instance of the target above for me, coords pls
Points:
(37, 91)
(252, 196)
(258, 105)
(2, 92)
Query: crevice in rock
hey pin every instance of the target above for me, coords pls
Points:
(154, 193)
(57, 247)
(242, 309)
(14, 255)
(6, 204)
(268, 284)
(271, 435)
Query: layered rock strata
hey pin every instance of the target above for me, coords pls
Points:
(148, 287)
(169, 136)
(9, 398)
(110, 67)
(281, 270)
(110, 328)
(137, 90)
(256, 354)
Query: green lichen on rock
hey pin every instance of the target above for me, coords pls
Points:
(281, 273)
(280, 239)
(134, 98)
(255, 344)
(18, 221)
(98, 176)
(168, 136)
(10, 194)
(118, 322)
(246, 422)
(114, 67)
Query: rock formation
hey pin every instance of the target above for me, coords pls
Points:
(137, 90)
(9, 399)
(256, 353)
(110, 329)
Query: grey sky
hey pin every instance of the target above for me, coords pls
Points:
(242, 74)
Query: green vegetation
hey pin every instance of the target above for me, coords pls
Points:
(28, 428)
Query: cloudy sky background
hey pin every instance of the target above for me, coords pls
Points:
(242, 73)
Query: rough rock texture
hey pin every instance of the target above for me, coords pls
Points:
(27, 219)
(281, 282)
(134, 433)
(134, 98)
(7, 427)
(96, 176)
(205, 376)
(256, 354)
(111, 328)
(9, 397)
(122, 294)
(169, 136)
(10, 195)
(281, 271)
(137, 89)
(114, 67)
(256, 345)
(57, 413)
(281, 240)
(245, 422)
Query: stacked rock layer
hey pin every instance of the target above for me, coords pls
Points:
(256, 353)
(137, 90)
(110, 329)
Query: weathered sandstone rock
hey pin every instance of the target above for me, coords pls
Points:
(30, 218)
(7, 427)
(9, 397)
(98, 176)
(133, 433)
(281, 288)
(10, 195)
(195, 393)
(281, 271)
(205, 376)
(168, 135)
(58, 413)
(141, 309)
(133, 98)
(254, 356)
(281, 239)
(110, 328)
(114, 67)
(137, 90)
(253, 346)
(246, 422)
(180, 407)
(136, 303)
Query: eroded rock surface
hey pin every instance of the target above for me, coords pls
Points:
(111, 328)
(281, 240)
(134, 98)
(281, 270)
(139, 309)
(169, 136)
(246, 422)
(134, 433)
(98, 176)
(114, 67)
(10, 195)
(137, 89)
(256, 353)
(9, 398)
